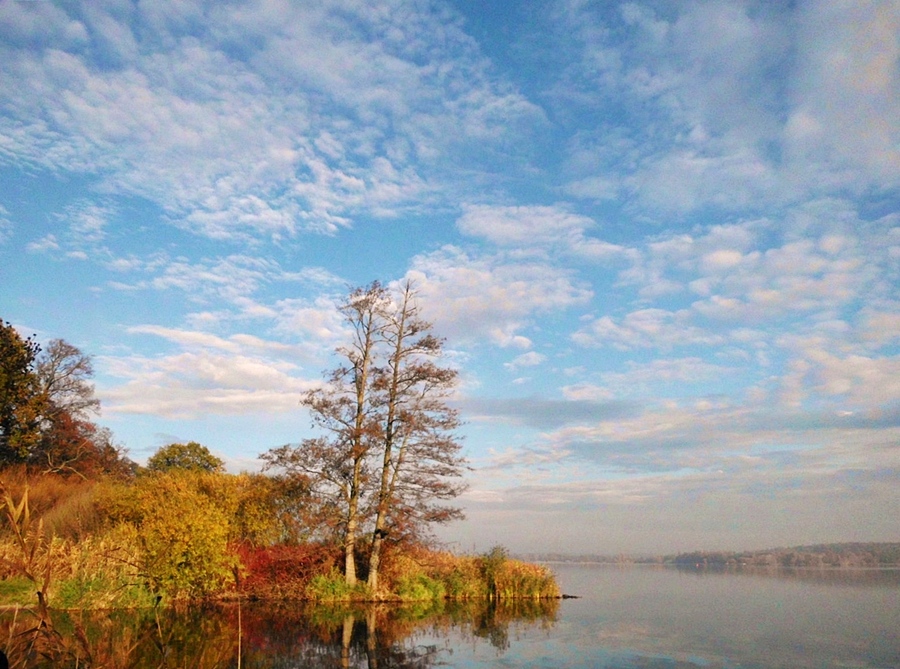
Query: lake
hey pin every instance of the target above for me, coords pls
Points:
(624, 617)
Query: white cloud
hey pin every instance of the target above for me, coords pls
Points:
(657, 328)
(232, 278)
(537, 228)
(881, 327)
(587, 391)
(318, 319)
(88, 221)
(6, 225)
(645, 376)
(859, 382)
(491, 295)
(530, 359)
(844, 120)
(43, 245)
(521, 226)
(193, 384)
(714, 127)
(252, 120)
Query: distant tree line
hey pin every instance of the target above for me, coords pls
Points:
(840, 555)
(844, 555)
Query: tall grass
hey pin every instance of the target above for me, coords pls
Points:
(332, 587)
(522, 580)
(423, 574)
(65, 505)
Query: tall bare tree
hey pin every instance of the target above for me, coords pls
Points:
(64, 373)
(420, 459)
(388, 455)
(336, 466)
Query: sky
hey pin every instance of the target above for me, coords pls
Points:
(661, 240)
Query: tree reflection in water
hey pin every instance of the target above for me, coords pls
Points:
(257, 636)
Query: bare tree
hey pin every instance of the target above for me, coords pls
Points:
(336, 466)
(388, 454)
(64, 373)
(420, 456)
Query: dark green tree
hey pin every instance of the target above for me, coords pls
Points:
(22, 405)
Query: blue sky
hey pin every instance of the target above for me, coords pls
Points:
(662, 240)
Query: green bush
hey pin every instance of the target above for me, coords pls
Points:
(16, 591)
(419, 587)
(101, 592)
(101, 573)
(181, 532)
(463, 582)
(491, 564)
(330, 587)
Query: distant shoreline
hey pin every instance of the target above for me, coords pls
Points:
(655, 565)
(848, 555)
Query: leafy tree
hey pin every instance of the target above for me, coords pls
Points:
(21, 403)
(46, 400)
(70, 442)
(388, 452)
(190, 456)
(71, 445)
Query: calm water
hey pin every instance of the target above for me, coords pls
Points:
(646, 617)
(636, 617)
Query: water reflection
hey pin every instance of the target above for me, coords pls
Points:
(624, 618)
(855, 577)
(257, 636)
(729, 618)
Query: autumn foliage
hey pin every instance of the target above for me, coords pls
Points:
(85, 527)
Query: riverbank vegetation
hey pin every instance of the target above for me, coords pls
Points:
(842, 555)
(345, 515)
(186, 535)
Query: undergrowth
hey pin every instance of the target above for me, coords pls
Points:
(93, 545)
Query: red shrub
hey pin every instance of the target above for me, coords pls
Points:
(282, 571)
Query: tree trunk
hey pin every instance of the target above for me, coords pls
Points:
(375, 560)
(346, 640)
(350, 554)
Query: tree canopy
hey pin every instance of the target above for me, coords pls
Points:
(190, 456)
(46, 404)
(21, 402)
